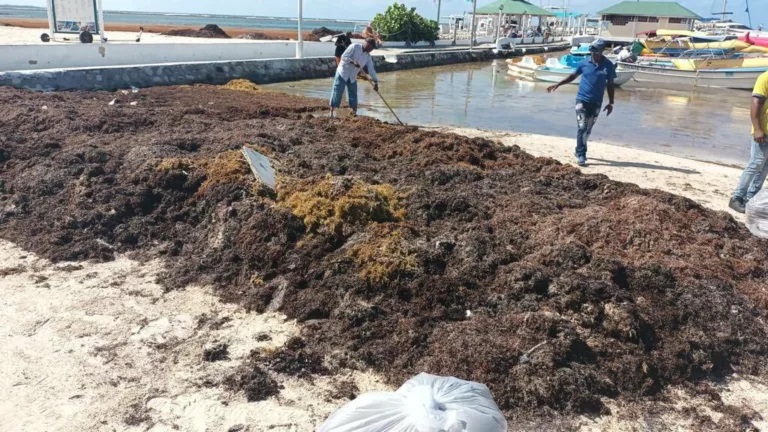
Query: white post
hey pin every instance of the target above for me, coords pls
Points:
(439, 2)
(300, 41)
(51, 24)
(100, 17)
(498, 27)
(474, 25)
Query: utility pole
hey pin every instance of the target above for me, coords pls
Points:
(439, 3)
(474, 25)
(300, 40)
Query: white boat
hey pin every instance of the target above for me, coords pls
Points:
(553, 71)
(737, 78)
(525, 67)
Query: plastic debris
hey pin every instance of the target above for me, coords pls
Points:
(757, 214)
(261, 167)
(425, 403)
(134, 89)
(45, 107)
(134, 103)
(113, 102)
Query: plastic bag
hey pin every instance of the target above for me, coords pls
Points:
(426, 403)
(757, 214)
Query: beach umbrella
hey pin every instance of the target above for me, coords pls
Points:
(300, 40)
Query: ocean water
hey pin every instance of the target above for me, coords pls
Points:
(703, 124)
(194, 20)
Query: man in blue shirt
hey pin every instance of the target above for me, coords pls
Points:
(597, 75)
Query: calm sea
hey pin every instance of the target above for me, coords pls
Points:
(194, 20)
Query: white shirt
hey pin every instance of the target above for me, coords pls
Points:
(348, 70)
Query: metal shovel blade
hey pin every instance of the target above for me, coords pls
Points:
(261, 167)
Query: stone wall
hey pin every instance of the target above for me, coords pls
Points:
(258, 71)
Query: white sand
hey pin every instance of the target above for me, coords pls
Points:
(102, 347)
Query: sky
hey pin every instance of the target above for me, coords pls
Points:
(366, 9)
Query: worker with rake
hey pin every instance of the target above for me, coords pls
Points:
(355, 58)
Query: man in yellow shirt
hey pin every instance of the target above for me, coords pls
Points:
(757, 168)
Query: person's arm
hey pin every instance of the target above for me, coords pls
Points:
(566, 80)
(754, 114)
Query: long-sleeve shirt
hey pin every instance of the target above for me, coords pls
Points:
(355, 54)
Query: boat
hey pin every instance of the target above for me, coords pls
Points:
(524, 67)
(695, 36)
(754, 40)
(692, 64)
(736, 78)
(755, 49)
(553, 71)
(734, 44)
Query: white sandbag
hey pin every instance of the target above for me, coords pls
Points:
(426, 403)
(757, 214)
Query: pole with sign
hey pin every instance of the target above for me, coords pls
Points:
(81, 17)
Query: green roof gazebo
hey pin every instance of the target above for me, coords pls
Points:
(513, 7)
(519, 8)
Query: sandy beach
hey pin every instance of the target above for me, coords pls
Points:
(157, 249)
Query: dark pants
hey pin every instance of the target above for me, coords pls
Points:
(586, 116)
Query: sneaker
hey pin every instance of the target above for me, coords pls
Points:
(737, 204)
(582, 161)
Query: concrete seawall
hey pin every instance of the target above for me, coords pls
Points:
(258, 71)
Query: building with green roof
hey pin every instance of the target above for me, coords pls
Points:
(628, 18)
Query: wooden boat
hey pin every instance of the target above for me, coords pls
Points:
(741, 78)
(554, 72)
(690, 64)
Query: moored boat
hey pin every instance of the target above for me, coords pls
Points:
(737, 78)
(524, 67)
(554, 71)
(692, 64)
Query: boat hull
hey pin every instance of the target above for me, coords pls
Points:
(696, 64)
(557, 75)
(718, 78)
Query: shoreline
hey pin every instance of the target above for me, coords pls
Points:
(234, 32)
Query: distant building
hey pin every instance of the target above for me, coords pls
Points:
(628, 18)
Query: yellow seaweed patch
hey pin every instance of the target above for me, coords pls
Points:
(382, 259)
(336, 201)
(242, 85)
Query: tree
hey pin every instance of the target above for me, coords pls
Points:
(401, 24)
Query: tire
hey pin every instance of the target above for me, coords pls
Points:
(45, 37)
(86, 37)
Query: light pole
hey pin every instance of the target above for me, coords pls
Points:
(439, 2)
(498, 27)
(474, 25)
(300, 41)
